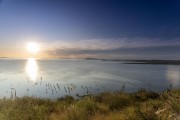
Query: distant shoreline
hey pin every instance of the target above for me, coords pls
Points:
(125, 61)
(167, 62)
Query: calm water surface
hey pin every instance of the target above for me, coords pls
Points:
(57, 78)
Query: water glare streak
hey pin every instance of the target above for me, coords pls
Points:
(32, 69)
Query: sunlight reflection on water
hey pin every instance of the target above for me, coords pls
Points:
(173, 75)
(57, 78)
(32, 69)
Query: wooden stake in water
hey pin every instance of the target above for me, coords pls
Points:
(41, 81)
(65, 89)
(58, 87)
(15, 93)
(55, 88)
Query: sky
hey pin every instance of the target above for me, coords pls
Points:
(110, 29)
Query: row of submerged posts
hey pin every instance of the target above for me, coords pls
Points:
(69, 89)
(56, 88)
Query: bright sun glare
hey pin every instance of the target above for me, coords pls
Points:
(32, 69)
(32, 47)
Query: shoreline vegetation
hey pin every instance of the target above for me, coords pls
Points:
(142, 105)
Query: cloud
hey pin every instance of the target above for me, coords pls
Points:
(136, 48)
(104, 44)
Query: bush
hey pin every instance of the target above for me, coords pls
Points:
(88, 105)
(116, 101)
(75, 113)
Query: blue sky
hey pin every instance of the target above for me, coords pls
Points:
(116, 29)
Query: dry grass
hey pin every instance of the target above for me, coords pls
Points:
(142, 105)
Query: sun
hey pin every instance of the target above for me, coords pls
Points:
(32, 47)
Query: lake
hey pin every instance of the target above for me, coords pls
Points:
(57, 78)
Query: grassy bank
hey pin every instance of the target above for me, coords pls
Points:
(142, 105)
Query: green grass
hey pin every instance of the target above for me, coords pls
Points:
(142, 105)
